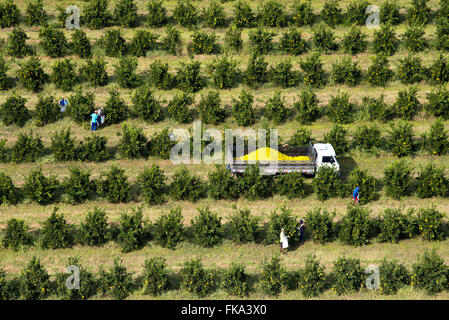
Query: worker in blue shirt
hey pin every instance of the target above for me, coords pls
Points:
(94, 121)
(355, 195)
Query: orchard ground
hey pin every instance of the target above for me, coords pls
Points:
(405, 251)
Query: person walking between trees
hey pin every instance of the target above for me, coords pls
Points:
(101, 116)
(301, 227)
(284, 241)
(355, 195)
(94, 121)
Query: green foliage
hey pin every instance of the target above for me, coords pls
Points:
(332, 13)
(349, 275)
(432, 182)
(354, 41)
(312, 279)
(282, 74)
(271, 13)
(155, 276)
(385, 40)
(429, 273)
(31, 75)
(189, 77)
(233, 38)
(35, 13)
(161, 144)
(261, 41)
(152, 182)
(179, 107)
(116, 281)
(125, 13)
(301, 137)
(146, 105)
(28, 148)
(242, 109)
(16, 235)
(256, 72)
(307, 107)
(337, 138)
(436, 141)
(56, 232)
(34, 281)
(273, 276)
(244, 226)
(114, 185)
(96, 14)
(225, 73)
(379, 72)
(285, 219)
(95, 72)
(81, 106)
(326, 183)
(157, 14)
(418, 12)
(254, 185)
(414, 40)
(303, 13)
(275, 108)
(203, 42)
(63, 145)
(169, 229)
(113, 43)
(346, 72)
(209, 108)
(186, 186)
(395, 225)
(442, 36)
(389, 12)
(133, 230)
(367, 184)
(400, 139)
(94, 229)
(222, 185)
(430, 222)
(87, 283)
(243, 14)
(355, 226)
(323, 38)
(340, 110)
(398, 179)
(172, 42)
(93, 148)
(393, 276)
(115, 107)
(312, 68)
(80, 44)
(235, 280)
(207, 228)
(407, 104)
(195, 279)
(410, 70)
(77, 185)
(367, 138)
(159, 76)
(63, 74)
(376, 109)
(214, 15)
(186, 13)
(125, 71)
(9, 14)
(8, 192)
(290, 185)
(14, 111)
(53, 41)
(356, 12)
(438, 102)
(320, 225)
(17, 46)
(293, 43)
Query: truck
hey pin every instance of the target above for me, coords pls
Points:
(285, 159)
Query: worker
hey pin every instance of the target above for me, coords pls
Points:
(284, 241)
(355, 195)
(94, 121)
(300, 228)
(101, 116)
(63, 103)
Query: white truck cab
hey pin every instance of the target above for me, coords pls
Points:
(325, 156)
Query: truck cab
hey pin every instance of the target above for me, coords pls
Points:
(325, 156)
